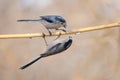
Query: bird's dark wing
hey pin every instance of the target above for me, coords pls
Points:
(55, 47)
(52, 50)
(46, 19)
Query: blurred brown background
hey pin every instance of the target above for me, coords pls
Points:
(93, 55)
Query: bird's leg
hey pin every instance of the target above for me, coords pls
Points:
(49, 32)
(62, 30)
(58, 36)
(44, 39)
(60, 33)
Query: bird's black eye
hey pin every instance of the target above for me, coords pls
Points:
(68, 44)
(60, 19)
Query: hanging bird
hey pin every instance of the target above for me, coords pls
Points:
(53, 48)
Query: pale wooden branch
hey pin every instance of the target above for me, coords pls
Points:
(31, 35)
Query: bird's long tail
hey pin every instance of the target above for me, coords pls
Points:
(30, 63)
(28, 20)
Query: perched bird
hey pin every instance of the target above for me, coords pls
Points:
(50, 22)
(53, 48)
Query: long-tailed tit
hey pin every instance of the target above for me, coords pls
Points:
(50, 22)
(53, 48)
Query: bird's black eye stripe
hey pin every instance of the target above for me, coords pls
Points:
(67, 44)
(60, 19)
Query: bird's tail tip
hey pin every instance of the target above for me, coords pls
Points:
(23, 67)
(20, 20)
(30, 63)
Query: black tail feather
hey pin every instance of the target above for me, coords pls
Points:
(27, 20)
(30, 63)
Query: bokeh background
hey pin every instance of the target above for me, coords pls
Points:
(93, 55)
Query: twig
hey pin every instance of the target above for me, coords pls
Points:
(31, 35)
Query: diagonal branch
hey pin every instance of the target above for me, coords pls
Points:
(31, 35)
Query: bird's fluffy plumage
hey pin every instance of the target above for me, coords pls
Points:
(53, 48)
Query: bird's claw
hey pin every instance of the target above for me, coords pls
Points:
(43, 35)
(50, 33)
(63, 30)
